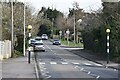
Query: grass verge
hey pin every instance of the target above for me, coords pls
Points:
(72, 44)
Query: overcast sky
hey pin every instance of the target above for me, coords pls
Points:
(64, 5)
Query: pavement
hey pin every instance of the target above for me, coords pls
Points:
(95, 58)
(19, 68)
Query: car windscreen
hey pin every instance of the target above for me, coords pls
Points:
(56, 40)
(32, 41)
(38, 43)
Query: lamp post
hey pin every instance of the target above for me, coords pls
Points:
(24, 29)
(60, 32)
(52, 27)
(79, 21)
(74, 26)
(12, 39)
(108, 51)
(68, 32)
(29, 28)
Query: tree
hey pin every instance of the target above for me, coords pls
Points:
(75, 14)
(18, 10)
(111, 16)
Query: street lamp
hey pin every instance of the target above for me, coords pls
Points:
(79, 21)
(52, 27)
(60, 32)
(12, 32)
(68, 32)
(108, 37)
(24, 29)
(29, 28)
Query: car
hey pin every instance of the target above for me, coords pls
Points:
(32, 41)
(38, 38)
(38, 46)
(56, 42)
(44, 37)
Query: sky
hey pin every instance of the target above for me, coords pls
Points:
(64, 5)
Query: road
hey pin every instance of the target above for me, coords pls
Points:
(57, 62)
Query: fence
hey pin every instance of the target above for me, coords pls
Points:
(5, 49)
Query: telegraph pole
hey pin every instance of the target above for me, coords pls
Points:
(12, 35)
(74, 26)
(24, 31)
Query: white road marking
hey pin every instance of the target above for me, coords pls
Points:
(53, 63)
(98, 65)
(87, 64)
(42, 63)
(93, 75)
(76, 66)
(97, 77)
(64, 62)
(41, 70)
(115, 69)
(75, 63)
(49, 48)
(89, 72)
(43, 73)
(48, 77)
(81, 69)
(85, 71)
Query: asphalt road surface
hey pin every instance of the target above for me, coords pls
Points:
(58, 63)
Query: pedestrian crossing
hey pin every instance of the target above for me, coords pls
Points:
(68, 63)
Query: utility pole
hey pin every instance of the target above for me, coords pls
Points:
(1, 21)
(74, 27)
(52, 27)
(24, 30)
(12, 35)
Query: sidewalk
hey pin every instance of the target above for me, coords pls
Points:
(94, 58)
(18, 68)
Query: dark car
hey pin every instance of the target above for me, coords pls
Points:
(56, 42)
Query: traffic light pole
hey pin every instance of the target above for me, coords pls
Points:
(29, 54)
(108, 48)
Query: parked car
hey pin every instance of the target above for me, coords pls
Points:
(38, 38)
(32, 42)
(44, 37)
(38, 46)
(56, 42)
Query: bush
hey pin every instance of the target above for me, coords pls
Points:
(17, 53)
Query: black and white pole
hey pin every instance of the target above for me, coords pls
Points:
(108, 44)
(29, 54)
(29, 48)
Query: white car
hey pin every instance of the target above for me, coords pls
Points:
(38, 38)
(44, 37)
(38, 46)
